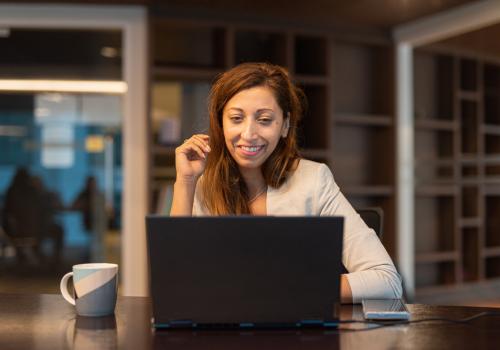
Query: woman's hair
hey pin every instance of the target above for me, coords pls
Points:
(223, 189)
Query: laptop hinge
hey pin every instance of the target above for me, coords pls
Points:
(316, 323)
(181, 324)
(247, 325)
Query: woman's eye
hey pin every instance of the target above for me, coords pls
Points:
(236, 118)
(265, 120)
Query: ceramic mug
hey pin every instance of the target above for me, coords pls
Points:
(95, 288)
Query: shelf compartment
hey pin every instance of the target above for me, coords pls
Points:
(434, 143)
(437, 232)
(434, 154)
(314, 127)
(179, 110)
(492, 109)
(260, 46)
(185, 45)
(470, 171)
(492, 220)
(470, 254)
(470, 201)
(434, 86)
(310, 55)
(435, 274)
(491, 171)
(492, 168)
(363, 78)
(469, 127)
(491, 93)
(366, 155)
(468, 74)
(435, 173)
(492, 266)
(492, 144)
(491, 76)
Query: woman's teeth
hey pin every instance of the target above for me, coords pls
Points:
(250, 149)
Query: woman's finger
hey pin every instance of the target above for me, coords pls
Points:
(201, 143)
(202, 136)
(189, 148)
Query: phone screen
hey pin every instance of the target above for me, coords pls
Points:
(385, 309)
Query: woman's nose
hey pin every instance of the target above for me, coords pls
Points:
(248, 131)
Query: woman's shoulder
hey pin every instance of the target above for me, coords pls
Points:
(308, 167)
(307, 175)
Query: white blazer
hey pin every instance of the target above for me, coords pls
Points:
(311, 190)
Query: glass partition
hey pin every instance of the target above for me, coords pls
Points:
(61, 154)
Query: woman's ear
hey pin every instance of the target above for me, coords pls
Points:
(286, 126)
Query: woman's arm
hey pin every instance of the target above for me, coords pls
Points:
(182, 202)
(190, 160)
(345, 290)
(371, 271)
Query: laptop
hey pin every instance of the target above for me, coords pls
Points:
(244, 271)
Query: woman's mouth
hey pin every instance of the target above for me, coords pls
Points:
(250, 150)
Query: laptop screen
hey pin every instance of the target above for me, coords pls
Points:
(244, 269)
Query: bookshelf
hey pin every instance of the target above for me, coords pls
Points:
(457, 146)
(363, 127)
(349, 124)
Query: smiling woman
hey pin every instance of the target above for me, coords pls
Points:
(251, 165)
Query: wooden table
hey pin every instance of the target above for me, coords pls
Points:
(32, 321)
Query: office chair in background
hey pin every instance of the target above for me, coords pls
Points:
(373, 218)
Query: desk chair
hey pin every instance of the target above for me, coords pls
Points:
(373, 218)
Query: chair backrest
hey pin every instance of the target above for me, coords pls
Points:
(373, 218)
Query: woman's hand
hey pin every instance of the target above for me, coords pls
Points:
(191, 157)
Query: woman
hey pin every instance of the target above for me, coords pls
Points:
(251, 165)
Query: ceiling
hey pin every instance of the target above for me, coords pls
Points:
(483, 41)
(383, 14)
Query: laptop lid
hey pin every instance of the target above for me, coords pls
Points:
(244, 270)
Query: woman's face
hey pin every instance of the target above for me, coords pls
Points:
(253, 123)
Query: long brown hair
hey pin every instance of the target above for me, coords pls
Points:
(224, 190)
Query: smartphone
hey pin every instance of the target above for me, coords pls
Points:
(385, 309)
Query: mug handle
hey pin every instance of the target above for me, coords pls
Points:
(64, 288)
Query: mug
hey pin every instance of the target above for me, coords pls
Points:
(95, 288)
